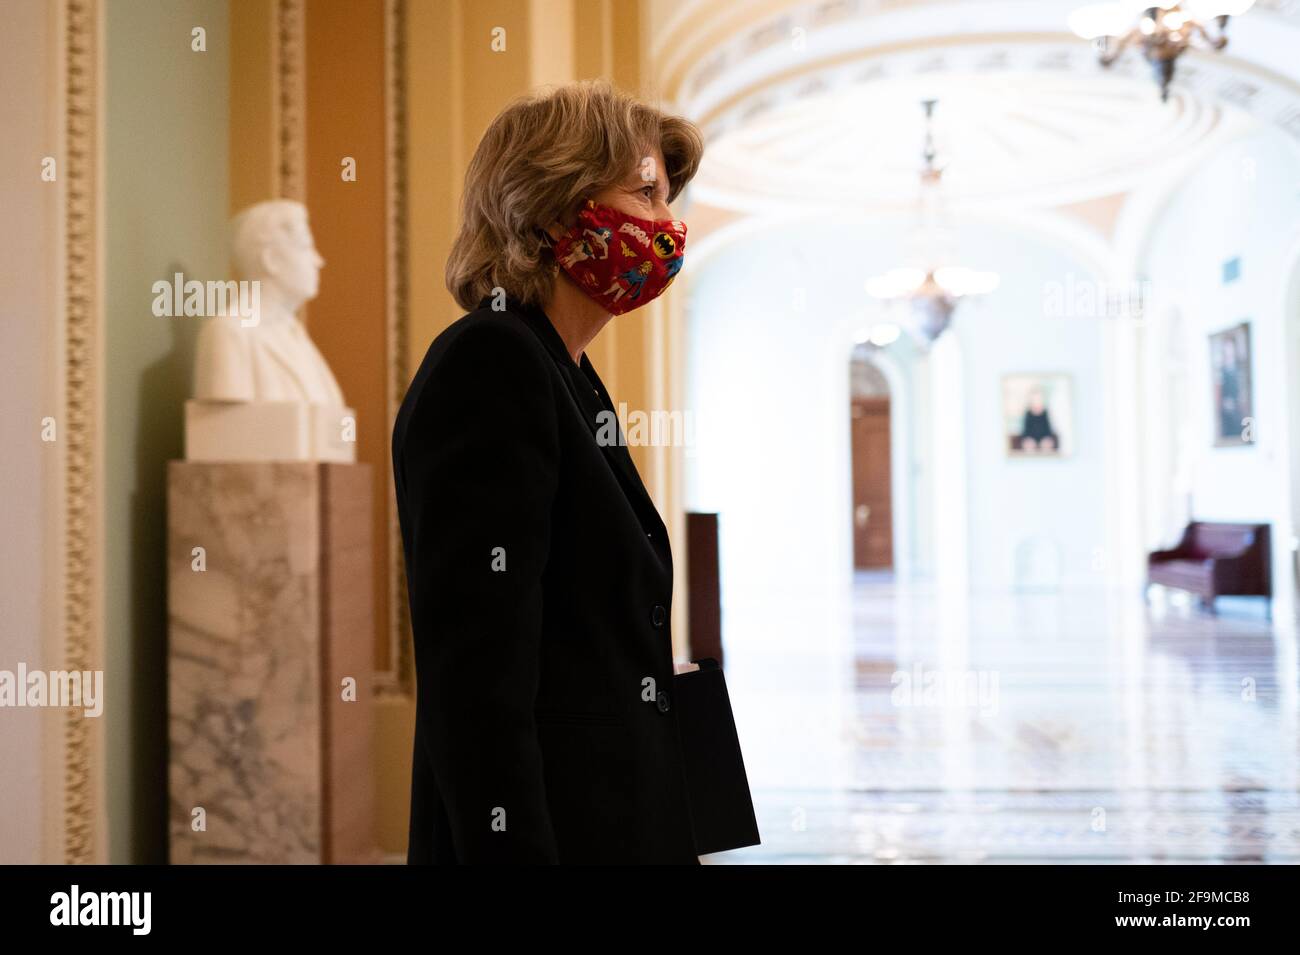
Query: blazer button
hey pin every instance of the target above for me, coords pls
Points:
(658, 615)
(662, 701)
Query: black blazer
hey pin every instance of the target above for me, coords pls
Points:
(540, 584)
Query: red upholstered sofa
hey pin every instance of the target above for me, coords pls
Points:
(1214, 560)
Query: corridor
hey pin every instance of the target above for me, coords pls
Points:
(1117, 734)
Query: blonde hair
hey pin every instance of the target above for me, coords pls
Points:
(541, 156)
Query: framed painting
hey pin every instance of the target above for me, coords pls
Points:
(1037, 415)
(1233, 412)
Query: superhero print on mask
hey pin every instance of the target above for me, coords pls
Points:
(620, 283)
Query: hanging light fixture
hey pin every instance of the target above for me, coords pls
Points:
(930, 290)
(1163, 29)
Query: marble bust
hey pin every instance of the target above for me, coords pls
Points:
(269, 357)
(262, 390)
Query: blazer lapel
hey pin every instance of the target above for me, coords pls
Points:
(591, 398)
(613, 443)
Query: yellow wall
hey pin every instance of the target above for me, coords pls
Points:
(252, 114)
(344, 97)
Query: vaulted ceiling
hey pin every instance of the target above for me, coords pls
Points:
(815, 106)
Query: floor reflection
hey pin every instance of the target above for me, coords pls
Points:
(1017, 729)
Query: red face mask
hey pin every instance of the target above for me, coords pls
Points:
(621, 261)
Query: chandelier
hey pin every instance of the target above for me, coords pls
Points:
(929, 289)
(1162, 29)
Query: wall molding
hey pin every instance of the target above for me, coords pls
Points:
(290, 99)
(399, 677)
(82, 389)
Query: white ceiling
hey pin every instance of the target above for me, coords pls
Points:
(1034, 137)
(815, 106)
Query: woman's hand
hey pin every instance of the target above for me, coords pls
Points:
(684, 667)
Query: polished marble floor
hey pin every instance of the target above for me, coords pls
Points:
(1087, 728)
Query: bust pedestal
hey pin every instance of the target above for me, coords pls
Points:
(268, 431)
(266, 623)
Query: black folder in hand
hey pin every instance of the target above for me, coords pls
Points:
(722, 811)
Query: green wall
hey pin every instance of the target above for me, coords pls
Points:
(166, 202)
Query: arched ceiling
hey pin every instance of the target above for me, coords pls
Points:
(816, 105)
(1044, 138)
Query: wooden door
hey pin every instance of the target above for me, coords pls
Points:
(873, 520)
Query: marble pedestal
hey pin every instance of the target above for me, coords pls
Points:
(267, 431)
(266, 623)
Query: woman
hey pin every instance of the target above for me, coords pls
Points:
(538, 570)
(1036, 432)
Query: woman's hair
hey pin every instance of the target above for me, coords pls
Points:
(541, 156)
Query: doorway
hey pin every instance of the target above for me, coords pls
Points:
(873, 518)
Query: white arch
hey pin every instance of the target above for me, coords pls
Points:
(1135, 239)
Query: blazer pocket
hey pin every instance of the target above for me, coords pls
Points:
(573, 718)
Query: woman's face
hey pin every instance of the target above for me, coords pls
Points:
(643, 192)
